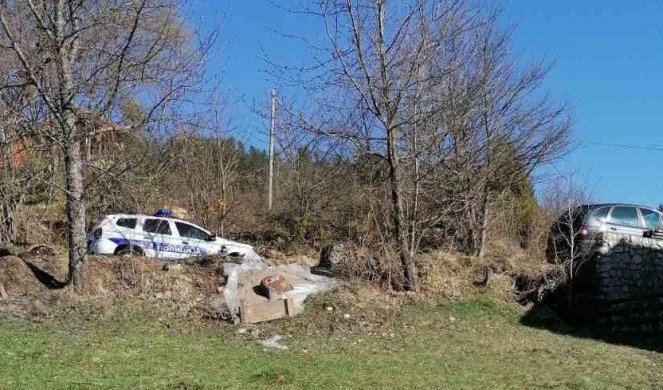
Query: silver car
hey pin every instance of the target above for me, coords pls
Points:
(575, 231)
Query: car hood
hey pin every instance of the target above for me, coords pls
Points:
(233, 244)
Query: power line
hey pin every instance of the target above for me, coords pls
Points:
(635, 147)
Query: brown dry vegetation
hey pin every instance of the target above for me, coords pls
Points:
(32, 285)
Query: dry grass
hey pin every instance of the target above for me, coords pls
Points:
(186, 290)
(40, 223)
(195, 291)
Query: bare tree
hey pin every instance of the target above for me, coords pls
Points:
(566, 197)
(502, 124)
(10, 193)
(377, 78)
(21, 177)
(204, 161)
(90, 56)
(430, 88)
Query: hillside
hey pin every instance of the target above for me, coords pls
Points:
(138, 325)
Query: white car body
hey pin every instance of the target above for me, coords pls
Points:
(160, 237)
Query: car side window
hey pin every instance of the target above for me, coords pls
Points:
(129, 223)
(189, 231)
(157, 226)
(601, 214)
(624, 216)
(652, 218)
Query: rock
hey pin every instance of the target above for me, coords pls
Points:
(273, 342)
(274, 287)
(39, 307)
(172, 267)
(223, 280)
(332, 257)
(38, 250)
(480, 277)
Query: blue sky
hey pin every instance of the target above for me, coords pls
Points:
(608, 59)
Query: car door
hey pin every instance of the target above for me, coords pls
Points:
(124, 231)
(195, 240)
(159, 234)
(625, 220)
(651, 218)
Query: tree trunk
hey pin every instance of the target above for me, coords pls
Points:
(400, 224)
(389, 110)
(484, 229)
(72, 147)
(8, 209)
(8, 193)
(75, 213)
(409, 269)
(405, 251)
(88, 149)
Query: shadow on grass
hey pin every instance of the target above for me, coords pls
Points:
(44, 277)
(544, 317)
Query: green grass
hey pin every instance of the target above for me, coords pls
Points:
(467, 345)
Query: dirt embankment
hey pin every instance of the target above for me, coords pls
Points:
(33, 283)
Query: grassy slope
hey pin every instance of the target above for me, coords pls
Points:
(463, 345)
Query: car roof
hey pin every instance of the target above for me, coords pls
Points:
(149, 216)
(597, 205)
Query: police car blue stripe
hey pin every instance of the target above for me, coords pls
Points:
(162, 247)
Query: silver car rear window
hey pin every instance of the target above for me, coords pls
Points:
(601, 214)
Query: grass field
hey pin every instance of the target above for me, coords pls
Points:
(466, 345)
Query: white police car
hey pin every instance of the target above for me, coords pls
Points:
(155, 236)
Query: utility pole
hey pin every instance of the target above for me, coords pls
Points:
(272, 119)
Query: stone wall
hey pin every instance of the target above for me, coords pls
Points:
(625, 278)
